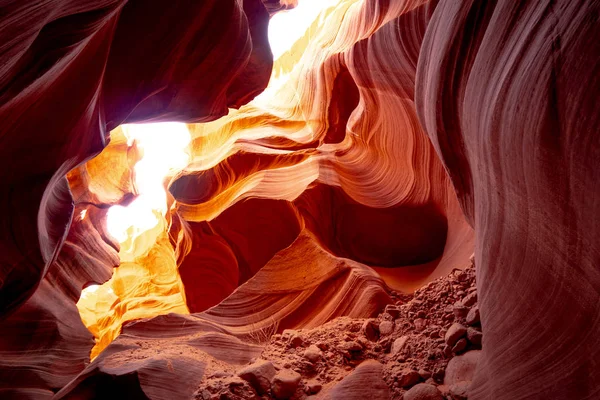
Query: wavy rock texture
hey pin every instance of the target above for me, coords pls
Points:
(280, 296)
(378, 129)
(518, 132)
(70, 72)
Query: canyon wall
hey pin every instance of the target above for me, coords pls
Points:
(390, 141)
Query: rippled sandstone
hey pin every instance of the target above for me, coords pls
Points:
(390, 142)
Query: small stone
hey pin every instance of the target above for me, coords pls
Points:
(371, 330)
(423, 391)
(313, 387)
(312, 353)
(351, 346)
(462, 368)
(455, 332)
(419, 324)
(460, 390)
(424, 374)
(470, 299)
(459, 346)
(398, 345)
(386, 328)
(285, 384)
(474, 336)
(473, 316)
(258, 375)
(438, 375)
(322, 345)
(296, 341)
(408, 378)
(447, 351)
(459, 310)
(392, 310)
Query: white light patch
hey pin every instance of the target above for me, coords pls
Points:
(88, 291)
(164, 147)
(286, 27)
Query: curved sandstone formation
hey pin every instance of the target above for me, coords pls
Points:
(373, 156)
(507, 93)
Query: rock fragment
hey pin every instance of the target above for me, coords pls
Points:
(474, 336)
(313, 353)
(473, 316)
(460, 390)
(285, 383)
(461, 368)
(454, 333)
(386, 328)
(371, 330)
(408, 377)
(313, 387)
(423, 391)
(470, 299)
(398, 345)
(258, 375)
(460, 346)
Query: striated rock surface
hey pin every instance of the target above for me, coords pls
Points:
(507, 92)
(390, 140)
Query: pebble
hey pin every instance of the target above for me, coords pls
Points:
(312, 353)
(285, 384)
(371, 330)
(424, 374)
(386, 328)
(423, 391)
(258, 375)
(460, 346)
(408, 378)
(460, 390)
(455, 332)
(459, 310)
(474, 336)
(393, 310)
(398, 345)
(351, 346)
(473, 316)
(470, 299)
(313, 387)
(420, 324)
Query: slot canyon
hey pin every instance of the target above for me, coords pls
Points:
(300, 199)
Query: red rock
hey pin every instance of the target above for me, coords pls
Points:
(408, 378)
(461, 368)
(470, 299)
(423, 391)
(259, 375)
(313, 353)
(473, 317)
(459, 310)
(474, 336)
(313, 387)
(386, 328)
(285, 384)
(371, 330)
(398, 345)
(420, 324)
(459, 346)
(454, 333)
(460, 390)
(392, 310)
(364, 382)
